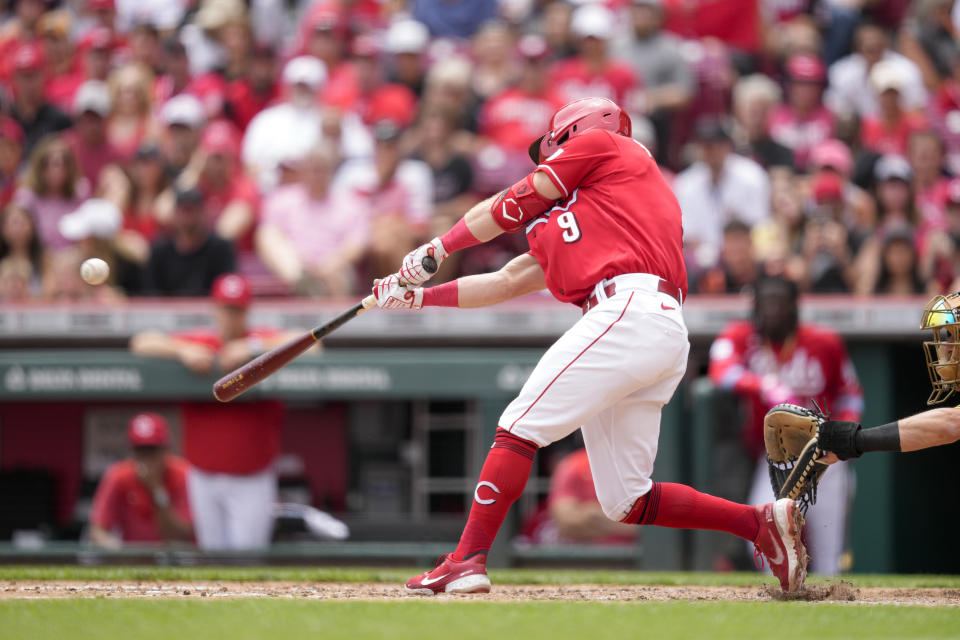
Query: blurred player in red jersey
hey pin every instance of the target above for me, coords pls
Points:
(233, 484)
(773, 359)
(143, 498)
(605, 234)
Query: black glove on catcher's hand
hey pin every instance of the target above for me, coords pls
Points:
(791, 435)
(840, 438)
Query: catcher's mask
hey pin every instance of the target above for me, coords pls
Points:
(578, 117)
(942, 317)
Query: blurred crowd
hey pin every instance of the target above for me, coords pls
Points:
(310, 144)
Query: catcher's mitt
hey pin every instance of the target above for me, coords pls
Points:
(792, 437)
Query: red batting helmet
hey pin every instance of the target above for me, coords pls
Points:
(577, 117)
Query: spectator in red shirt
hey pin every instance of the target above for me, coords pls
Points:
(183, 119)
(375, 98)
(93, 57)
(131, 122)
(88, 137)
(30, 109)
(143, 499)
(11, 152)
(803, 121)
(592, 72)
(209, 88)
(22, 27)
(232, 447)
(888, 132)
(54, 27)
(512, 117)
(252, 92)
(146, 194)
(925, 151)
(230, 198)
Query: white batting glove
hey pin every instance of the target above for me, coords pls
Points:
(391, 294)
(411, 269)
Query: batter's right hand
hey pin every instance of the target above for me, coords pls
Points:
(411, 269)
(392, 294)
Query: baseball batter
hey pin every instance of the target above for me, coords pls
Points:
(605, 234)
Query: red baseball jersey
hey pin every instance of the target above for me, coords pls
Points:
(122, 501)
(617, 216)
(812, 366)
(239, 437)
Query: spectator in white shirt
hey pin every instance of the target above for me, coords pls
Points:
(717, 189)
(297, 121)
(850, 92)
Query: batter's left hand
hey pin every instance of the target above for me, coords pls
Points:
(391, 294)
(411, 269)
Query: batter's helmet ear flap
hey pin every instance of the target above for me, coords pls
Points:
(534, 149)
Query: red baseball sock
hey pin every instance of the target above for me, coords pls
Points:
(502, 479)
(682, 507)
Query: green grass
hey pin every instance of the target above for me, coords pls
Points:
(499, 576)
(456, 620)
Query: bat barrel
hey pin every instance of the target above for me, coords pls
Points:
(236, 382)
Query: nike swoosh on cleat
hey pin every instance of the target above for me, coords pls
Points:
(429, 581)
(774, 560)
(468, 571)
(666, 308)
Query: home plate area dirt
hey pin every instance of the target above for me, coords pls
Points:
(839, 591)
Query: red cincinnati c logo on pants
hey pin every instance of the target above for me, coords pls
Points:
(476, 492)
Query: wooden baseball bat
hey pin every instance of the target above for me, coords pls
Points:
(236, 382)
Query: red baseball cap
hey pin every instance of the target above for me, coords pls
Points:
(324, 17)
(11, 130)
(832, 154)
(28, 57)
(232, 289)
(148, 430)
(392, 102)
(806, 68)
(827, 187)
(220, 136)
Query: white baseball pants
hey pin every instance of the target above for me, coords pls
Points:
(232, 512)
(609, 375)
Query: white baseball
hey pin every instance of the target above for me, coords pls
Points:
(94, 271)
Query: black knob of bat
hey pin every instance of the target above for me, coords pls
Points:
(429, 264)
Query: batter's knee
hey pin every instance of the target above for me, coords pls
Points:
(620, 508)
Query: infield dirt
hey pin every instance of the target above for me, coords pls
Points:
(834, 592)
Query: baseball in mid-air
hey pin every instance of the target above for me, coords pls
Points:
(94, 271)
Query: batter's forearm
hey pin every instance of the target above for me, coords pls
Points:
(480, 222)
(520, 276)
